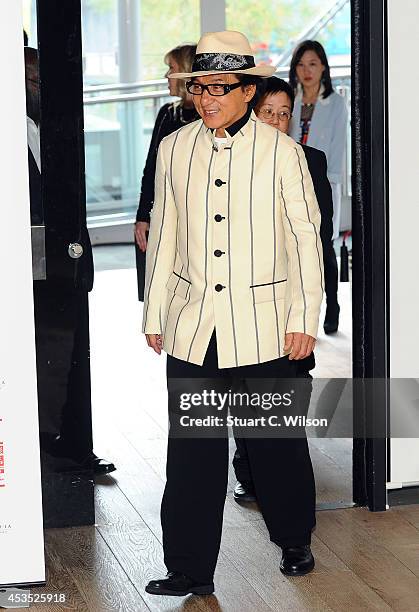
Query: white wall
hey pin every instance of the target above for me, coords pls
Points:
(21, 536)
(403, 19)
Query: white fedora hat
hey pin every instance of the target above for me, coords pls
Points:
(227, 51)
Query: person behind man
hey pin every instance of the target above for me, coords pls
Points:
(320, 120)
(275, 107)
(233, 294)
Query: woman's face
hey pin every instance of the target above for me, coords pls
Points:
(173, 83)
(275, 109)
(310, 70)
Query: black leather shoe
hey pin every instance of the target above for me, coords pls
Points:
(331, 320)
(179, 585)
(296, 560)
(244, 493)
(101, 466)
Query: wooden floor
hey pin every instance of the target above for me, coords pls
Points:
(364, 561)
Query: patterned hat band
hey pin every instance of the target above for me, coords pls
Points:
(223, 62)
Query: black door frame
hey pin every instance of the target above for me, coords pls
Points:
(369, 215)
(61, 300)
(370, 251)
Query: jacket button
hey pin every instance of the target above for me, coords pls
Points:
(219, 182)
(219, 287)
(218, 253)
(218, 218)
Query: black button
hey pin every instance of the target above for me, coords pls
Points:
(219, 182)
(218, 253)
(219, 218)
(219, 287)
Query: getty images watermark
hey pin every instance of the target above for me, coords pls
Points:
(214, 400)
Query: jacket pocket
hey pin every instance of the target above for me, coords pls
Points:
(179, 285)
(267, 292)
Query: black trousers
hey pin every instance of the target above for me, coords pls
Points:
(330, 273)
(197, 470)
(241, 462)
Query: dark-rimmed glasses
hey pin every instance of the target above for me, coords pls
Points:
(214, 89)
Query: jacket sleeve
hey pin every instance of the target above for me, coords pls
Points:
(147, 183)
(336, 153)
(301, 220)
(161, 249)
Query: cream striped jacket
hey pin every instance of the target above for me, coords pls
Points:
(234, 245)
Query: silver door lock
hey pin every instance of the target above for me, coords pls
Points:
(75, 250)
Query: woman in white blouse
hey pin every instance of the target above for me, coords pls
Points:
(320, 121)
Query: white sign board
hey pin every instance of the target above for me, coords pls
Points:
(403, 90)
(21, 533)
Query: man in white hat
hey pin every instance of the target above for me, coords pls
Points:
(234, 284)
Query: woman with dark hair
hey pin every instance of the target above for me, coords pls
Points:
(170, 118)
(320, 121)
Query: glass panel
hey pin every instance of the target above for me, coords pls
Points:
(157, 36)
(117, 133)
(117, 137)
(273, 25)
(165, 25)
(100, 41)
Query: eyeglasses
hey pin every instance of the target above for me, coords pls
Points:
(268, 114)
(214, 89)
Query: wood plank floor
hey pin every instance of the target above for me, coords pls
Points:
(364, 561)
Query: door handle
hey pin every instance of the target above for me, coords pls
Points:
(75, 250)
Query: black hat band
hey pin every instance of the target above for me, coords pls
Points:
(223, 62)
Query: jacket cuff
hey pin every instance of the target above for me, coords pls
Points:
(295, 326)
(152, 327)
(142, 216)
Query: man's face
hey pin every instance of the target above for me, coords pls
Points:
(219, 112)
(275, 109)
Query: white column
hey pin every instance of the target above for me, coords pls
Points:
(213, 15)
(130, 114)
(21, 534)
(129, 47)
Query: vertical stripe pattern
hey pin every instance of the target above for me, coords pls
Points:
(206, 255)
(274, 232)
(157, 252)
(298, 255)
(252, 256)
(187, 233)
(229, 255)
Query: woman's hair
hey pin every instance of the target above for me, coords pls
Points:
(274, 85)
(311, 45)
(184, 56)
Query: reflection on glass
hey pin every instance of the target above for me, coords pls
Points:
(33, 127)
(29, 22)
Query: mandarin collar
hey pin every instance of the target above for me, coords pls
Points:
(237, 130)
